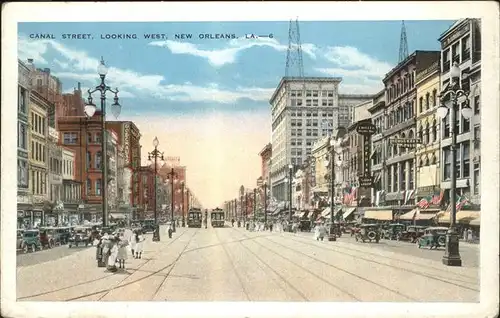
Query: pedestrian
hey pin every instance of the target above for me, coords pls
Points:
(138, 244)
(122, 251)
(132, 243)
(469, 235)
(270, 227)
(113, 253)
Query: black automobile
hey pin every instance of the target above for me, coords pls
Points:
(80, 236)
(148, 226)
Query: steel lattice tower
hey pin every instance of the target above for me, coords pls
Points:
(403, 43)
(294, 64)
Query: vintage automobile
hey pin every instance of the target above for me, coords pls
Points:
(148, 225)
(31, 241)
(48, 237)
(412, 233)
(370, 232)
(19, 240)
(433, 237)
(393, 231)
(80, 236)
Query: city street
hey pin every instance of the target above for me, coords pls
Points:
(232, 264)
(47, 255)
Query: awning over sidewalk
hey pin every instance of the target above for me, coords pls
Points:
(382, 215)
(326, 211)
(348, 212)
(419, 214)
(462, 216)
(476, 221)
(119, 216)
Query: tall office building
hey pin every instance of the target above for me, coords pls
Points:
(302, 110)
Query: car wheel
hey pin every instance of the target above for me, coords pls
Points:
(33, 248)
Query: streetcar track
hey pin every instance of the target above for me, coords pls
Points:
(273, 270)
(395, 267)
(234, 267)
(101, 278)
(312, 273)
(173, 266)
(387, 257)
(219, 244)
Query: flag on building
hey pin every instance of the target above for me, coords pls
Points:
(408, 195)
(424, 203)
(437, 197)
(461, 202)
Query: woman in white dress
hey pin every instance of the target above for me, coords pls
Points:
(132, 243)
(113, 254)
(139, 239)
(122, 251)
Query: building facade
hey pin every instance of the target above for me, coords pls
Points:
(378, 145)
(427, 153)
(38, 159)
(462, 44)
(347, 103)
(24, 195)
(300, 107)
(321, 184)
(265, 156)
(129, 138)
(55, 178)
(72, 188)
(400, 123)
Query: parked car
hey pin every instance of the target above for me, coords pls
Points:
(47, 237)
(370, 232)
(433, 237)
(20, 240)
(148, 226)
(412, 233)
(31, 241)
(393, 231)
(81, 236)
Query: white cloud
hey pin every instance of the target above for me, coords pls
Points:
(131, 83)
(227, 54)
(361, 73)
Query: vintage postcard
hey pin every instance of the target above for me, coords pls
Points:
(250, 159)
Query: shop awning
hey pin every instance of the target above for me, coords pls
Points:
(297, 213)
(462, 216)
(348, 212)
(476, 221)
(382, 215)
(326, 211)
(420, 214)
(117, 215)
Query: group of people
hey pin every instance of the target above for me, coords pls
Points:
(113, 249)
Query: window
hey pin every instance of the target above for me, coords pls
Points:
(446, 61)
(323, 102)
(447, 163)
(477, 178)
(315, 93)
(427, 101)
(466, 160)
(98, 187)
(426, 134)
(434, 130)
(477, 136)
(308, 102)
(330, 102)
(308, 93)
(477, 104)
(22, 139)
(21, 107)
(458, 163)
(434, 98)
(465, 48)
(389, 181)
(395, 178)
(330, 93)
(455, 57)
(420, 105)
(466, 122)
(70, 138)
(446, 128)
(22, 174)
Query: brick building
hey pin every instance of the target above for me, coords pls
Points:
(179, 178)
(145, 192)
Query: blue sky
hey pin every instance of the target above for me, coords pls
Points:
(186, 76)
(207, 99)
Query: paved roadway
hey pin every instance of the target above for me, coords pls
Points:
(231, 264)
(469, 252)
(47, 255)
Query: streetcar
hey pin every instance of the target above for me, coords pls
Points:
(217, 217)
(194, 218)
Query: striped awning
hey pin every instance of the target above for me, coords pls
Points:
(382, 215)
(348, 212)
(420, 214)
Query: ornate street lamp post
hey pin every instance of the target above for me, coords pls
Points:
(451, 256)
(330, 162)
(90, 109)
(254, 204)
(289, 180)
(155, 154)
(265, 201)
(173, 179)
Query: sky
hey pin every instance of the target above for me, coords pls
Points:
(205, 97)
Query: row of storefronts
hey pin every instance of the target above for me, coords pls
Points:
(33, 216)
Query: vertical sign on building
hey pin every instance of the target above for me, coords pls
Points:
(366, 129)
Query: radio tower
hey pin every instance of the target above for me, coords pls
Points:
(294, 65)
(403, 44)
